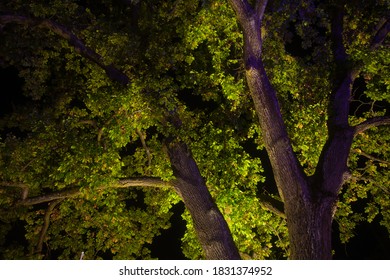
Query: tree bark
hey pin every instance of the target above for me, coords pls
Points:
(210, 226)
(308, 208)
(309, 226)
(75, 191)
(309, 203)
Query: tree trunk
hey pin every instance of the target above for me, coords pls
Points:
(309, 203)
(310, 227)
(210, 226)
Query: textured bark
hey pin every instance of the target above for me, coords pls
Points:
(307, 208)
(309, 228)
(210, 226)
(309, 203)
(272, 204)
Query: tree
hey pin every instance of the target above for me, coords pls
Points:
(127, 101)
(309, 202)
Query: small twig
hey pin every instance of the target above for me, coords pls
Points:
(371, 157)
(277, 234)
(28, 164)
(100, 130)
(371, 104)
(361, 178)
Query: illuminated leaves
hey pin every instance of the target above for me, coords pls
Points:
(80, 129)
(365, 197)
(308, 133)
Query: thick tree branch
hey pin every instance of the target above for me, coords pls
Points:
(340, 101)
(68, 193)
(243, 9)
(345, 75)
(212, 230)
(289, 175)
(370, 123)
(143, 182)
(250, 21)
(211, 227)
(75, 191)
(332, 165)
(272, 204)
(46, 223)
(260, 9)
(301, 197)
(112, 72)
(298, 195)
(337, 22)
(381, 33)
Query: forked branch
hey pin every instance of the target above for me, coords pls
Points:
(46, 223)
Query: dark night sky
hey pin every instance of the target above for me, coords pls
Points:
(371, 241)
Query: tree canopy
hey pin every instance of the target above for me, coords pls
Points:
(129, 104)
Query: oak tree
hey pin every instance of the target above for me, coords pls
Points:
(131, 106)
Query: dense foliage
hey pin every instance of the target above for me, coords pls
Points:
(82, 129)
